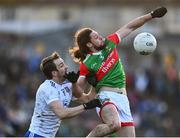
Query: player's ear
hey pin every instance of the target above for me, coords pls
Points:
(89, 44)
(54, 73)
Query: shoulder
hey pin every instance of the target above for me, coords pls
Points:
(115, 38)
(83, 69)
(47, 86)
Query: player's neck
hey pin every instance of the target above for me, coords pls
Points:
(93, 50)
(58, 80)
(97, 49)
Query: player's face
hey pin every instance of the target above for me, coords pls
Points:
(61, 67)
(97, 40)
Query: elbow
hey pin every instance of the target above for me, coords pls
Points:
(63, 117)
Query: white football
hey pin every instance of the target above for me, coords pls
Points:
(145, 43)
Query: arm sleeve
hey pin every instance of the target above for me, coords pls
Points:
(50, 96)
(115, 38)
(83, 69)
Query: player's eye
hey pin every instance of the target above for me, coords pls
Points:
(95, 36)
(61, 65)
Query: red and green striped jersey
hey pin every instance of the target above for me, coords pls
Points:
(105, 65)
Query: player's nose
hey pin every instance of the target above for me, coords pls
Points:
(66, 67)
(100, 38)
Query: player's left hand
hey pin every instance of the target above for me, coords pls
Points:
(72, 76)
(92, 104)
(159, 12)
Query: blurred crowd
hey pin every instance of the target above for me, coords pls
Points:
(153, 85)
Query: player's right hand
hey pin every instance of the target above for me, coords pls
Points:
(72, 76)
(92, 104)
(159, 12)
(91, 79)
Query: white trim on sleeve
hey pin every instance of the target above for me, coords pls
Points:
(55, 99)
(82, 76)
(118, 37)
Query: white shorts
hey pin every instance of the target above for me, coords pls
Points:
(121, 102)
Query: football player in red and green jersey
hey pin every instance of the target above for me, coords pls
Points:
(99, 57)
(105, 65)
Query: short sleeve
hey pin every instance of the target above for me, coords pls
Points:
(115, 38)
(50, 96)
(83, 69)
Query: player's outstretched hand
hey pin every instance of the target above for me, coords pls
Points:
(91, 79)
(159, 12)
(72, 76)
(92, 104)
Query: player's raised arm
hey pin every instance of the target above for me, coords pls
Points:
(139, 21)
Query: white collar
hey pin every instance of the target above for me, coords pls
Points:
(97, 53)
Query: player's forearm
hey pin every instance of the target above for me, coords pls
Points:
(70, 112)
(139, 21)
(77, 90)
(133, 25)
(87, 97)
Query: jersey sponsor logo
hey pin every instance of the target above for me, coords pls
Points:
(106, 68)
(109, 63)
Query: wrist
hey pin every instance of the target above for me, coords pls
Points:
(152, 14)
(84, 106)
